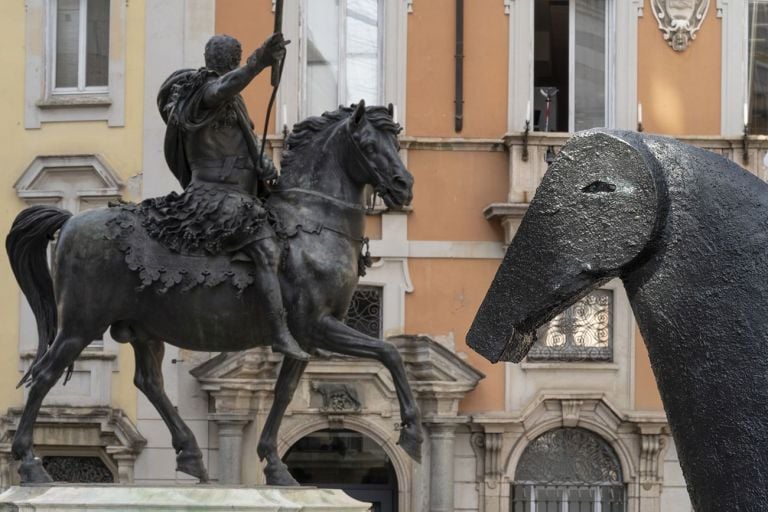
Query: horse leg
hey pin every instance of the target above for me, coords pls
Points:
(149, 380)
(288, 379)
(341, 338)
(61, 354)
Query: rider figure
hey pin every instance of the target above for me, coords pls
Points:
(211, 148)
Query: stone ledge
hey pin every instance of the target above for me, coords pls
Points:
(103, 498)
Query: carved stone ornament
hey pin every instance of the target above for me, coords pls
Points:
(679, 20)
(338, 397)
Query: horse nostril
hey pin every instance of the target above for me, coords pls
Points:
(400, 184)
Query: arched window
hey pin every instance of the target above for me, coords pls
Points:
(568, 470)
(346, 460)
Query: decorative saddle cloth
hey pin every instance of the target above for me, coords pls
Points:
(189, 239)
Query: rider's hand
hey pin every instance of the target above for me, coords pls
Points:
(271, 52)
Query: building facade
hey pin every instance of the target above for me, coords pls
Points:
(486, 91)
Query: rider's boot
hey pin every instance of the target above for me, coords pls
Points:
(264, 255)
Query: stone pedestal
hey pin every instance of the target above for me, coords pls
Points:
(203, 498)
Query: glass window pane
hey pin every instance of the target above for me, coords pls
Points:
(322, 55)
(589, 97)
(758, 67)
(97, 43)
(67, 42)
(363, 51)
(583, 332)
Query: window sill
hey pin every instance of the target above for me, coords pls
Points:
(75, 100)
(566, 365)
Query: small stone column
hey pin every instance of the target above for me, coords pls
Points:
(230, 447)
(441, 439)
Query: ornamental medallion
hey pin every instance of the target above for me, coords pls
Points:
(679, 20)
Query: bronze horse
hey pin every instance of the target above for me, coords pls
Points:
(319, 209)
(686, 231)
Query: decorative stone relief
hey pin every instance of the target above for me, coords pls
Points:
(679, 20)
(653, 444)
(338, 397)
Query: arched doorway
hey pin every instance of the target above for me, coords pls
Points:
(346, 460)
(568, 470)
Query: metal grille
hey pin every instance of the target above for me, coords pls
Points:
(77, 469)
(567, 498)
(583, 332)
(568, 470)
(364, 313)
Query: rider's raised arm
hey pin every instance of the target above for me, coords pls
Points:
(230, 84)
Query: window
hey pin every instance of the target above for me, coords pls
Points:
(583, 332)
(364, 313)
(76, 54)
(343, 53)
(81, 55)
(758, 67)
(570, 65)
(568, 470)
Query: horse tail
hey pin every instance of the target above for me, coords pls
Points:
(27, 247)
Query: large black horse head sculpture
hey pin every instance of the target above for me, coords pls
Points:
(687, 232)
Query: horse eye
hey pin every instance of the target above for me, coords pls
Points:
(599, 186)
(370, 148)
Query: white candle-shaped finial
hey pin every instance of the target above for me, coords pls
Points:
(528, 112)
(746, 114)
(639, 113)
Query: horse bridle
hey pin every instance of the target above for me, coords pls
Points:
(372, 172)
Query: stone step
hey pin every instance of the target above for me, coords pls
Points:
(204, 498)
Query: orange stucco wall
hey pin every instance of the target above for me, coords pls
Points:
(431, 65)
(450, 192)
(647, 396)
(251, 22)
(680, 91)
(446, 296)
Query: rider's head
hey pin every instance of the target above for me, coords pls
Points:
(223, 53)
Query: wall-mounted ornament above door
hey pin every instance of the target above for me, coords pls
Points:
(679, 20)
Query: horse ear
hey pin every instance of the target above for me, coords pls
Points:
(358, 114)
(391, 110)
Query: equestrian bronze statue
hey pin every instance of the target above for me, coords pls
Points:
(686, 231)
(228, 264)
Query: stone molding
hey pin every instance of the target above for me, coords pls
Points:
(101, 430)
(241, 384)
(639, 440)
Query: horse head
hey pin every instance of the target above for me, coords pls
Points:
(373, 154)
(595, 216)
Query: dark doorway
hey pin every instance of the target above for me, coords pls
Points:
(346, 460)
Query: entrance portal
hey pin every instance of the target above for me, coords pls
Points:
(346, 460)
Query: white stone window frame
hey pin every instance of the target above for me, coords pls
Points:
(44, 104)
(53, 180)
(735, 64)
(616, 377)
(621, 72)
(394, 54)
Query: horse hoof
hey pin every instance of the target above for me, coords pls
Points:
(278, 474)
(32, 472)
(410, 441)
(192, 464)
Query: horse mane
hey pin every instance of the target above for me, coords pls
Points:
(306, 135)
